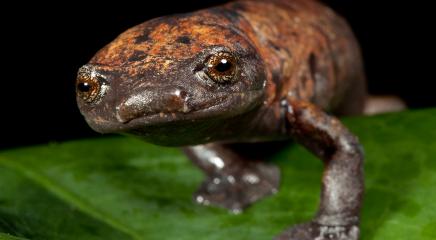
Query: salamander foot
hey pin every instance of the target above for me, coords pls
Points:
(315, 231)
(238, 187)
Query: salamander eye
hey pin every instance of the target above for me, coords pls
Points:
(88, 87)
(221, 67)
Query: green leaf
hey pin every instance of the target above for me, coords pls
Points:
(123, 188)
(9, 237)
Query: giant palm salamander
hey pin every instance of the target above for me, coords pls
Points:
(245, 72)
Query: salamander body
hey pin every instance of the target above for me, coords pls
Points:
(249, 71)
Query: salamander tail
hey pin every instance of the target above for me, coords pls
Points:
(383, 104)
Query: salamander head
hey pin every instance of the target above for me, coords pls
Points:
(172, 80)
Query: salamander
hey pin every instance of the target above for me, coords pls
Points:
(251, 72)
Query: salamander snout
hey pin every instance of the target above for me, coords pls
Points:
(153, 101)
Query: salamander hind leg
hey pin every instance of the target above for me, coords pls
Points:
(232, 181)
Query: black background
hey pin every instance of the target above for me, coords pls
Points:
(45, 44)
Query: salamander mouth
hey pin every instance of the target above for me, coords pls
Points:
(226, 106)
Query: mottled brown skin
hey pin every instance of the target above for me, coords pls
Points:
(288, 63)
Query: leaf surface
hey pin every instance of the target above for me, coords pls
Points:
(123, 188)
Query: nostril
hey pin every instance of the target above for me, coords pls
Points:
(181, 94)
(177, 101)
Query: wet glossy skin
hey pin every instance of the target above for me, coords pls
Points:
(232, 74)
(159, 78)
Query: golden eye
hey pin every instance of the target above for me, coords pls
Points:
(88, 87)
(221, 67)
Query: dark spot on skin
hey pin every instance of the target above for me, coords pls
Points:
(199, 67)
(163, 48)
(276, 76)
(137, 56)
(146, 31)
(274, 46)
(312, 62)
(184, 40)
(142, 38)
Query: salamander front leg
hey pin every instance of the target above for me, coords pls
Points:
(232, 181)
(342, 183)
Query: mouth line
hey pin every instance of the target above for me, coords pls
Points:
(208, 112)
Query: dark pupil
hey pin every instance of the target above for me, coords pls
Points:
(84, 87)
(223, 66)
